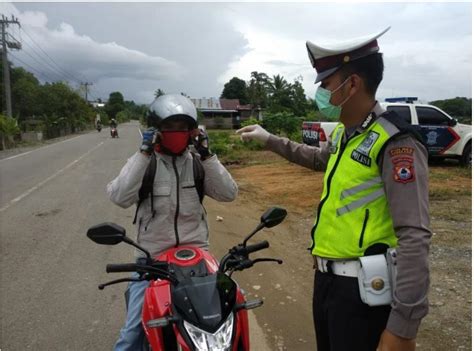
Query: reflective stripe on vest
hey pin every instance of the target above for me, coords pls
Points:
(352, 189)
(361, 202)
(363, 186)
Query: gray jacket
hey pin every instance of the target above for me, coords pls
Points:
(180, 218)
(409, 207)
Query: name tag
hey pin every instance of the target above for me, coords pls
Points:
(361, 153)
(357, 156)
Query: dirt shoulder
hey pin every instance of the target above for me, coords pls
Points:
(288, 288)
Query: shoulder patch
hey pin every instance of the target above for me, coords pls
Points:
(397, 151)
(403, 168)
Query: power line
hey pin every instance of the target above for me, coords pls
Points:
(42, 74)
(42, 64)
(61, 73)
(59, 67)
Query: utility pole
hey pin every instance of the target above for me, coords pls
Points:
(86, 84)
(8, 41)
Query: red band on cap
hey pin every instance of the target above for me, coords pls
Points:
(329, 62)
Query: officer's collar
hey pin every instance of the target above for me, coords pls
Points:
(376, 111)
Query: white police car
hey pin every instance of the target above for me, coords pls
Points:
(443, 135)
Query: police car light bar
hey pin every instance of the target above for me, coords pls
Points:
(408, 100)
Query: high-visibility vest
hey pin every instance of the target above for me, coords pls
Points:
(353, 213)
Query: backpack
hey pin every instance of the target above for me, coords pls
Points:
(149, 177)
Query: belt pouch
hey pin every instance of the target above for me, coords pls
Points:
(374, 282)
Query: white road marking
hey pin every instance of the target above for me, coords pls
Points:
(140, 131)
(37, 186)
(41, 148)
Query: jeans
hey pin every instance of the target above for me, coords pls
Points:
(132, 335)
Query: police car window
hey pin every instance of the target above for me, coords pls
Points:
(430, 116)
(402, 111)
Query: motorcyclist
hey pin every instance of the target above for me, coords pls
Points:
(113, 128)
(176, 216)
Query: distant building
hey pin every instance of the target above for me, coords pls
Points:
(96, 104)
(222, 113)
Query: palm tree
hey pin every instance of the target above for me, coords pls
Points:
(159, 92)
(280, 93)
(278, 85)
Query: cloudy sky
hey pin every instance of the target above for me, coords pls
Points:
(136, 48)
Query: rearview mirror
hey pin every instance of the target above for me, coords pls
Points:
(106, 234)
(273, 216)
(270, 218)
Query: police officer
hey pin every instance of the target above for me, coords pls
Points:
(375, 197)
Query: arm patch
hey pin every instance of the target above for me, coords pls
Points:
(403, 167)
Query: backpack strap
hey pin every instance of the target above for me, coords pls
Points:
(198, 171)
(147, 186)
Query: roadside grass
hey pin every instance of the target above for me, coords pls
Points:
(231, 150)
(451, 182)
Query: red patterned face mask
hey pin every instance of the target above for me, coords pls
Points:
(174, 142)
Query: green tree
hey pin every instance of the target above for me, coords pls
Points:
(258, 89)
(459, 107)
(115, 104)
(49, 107)
(25, 94)
(236, 88)
(123, 116)
(134, 111)
(279, 94)
(300, 105)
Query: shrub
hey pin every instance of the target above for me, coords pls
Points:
(227, 144)
(8, 128)
(282, 123)
(250, 122)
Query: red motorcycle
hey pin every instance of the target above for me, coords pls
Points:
(192, 302)
(113, 132)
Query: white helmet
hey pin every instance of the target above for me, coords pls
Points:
(171, 105)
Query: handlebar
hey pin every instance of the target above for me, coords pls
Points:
(121, 267)
(237, 258)
(257, 247)
(156, 270)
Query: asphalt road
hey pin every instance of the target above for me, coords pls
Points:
(49, 270)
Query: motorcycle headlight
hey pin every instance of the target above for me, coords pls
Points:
(219, 341)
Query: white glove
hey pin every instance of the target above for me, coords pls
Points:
(253, 132)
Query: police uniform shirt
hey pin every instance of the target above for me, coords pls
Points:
(404, 171)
